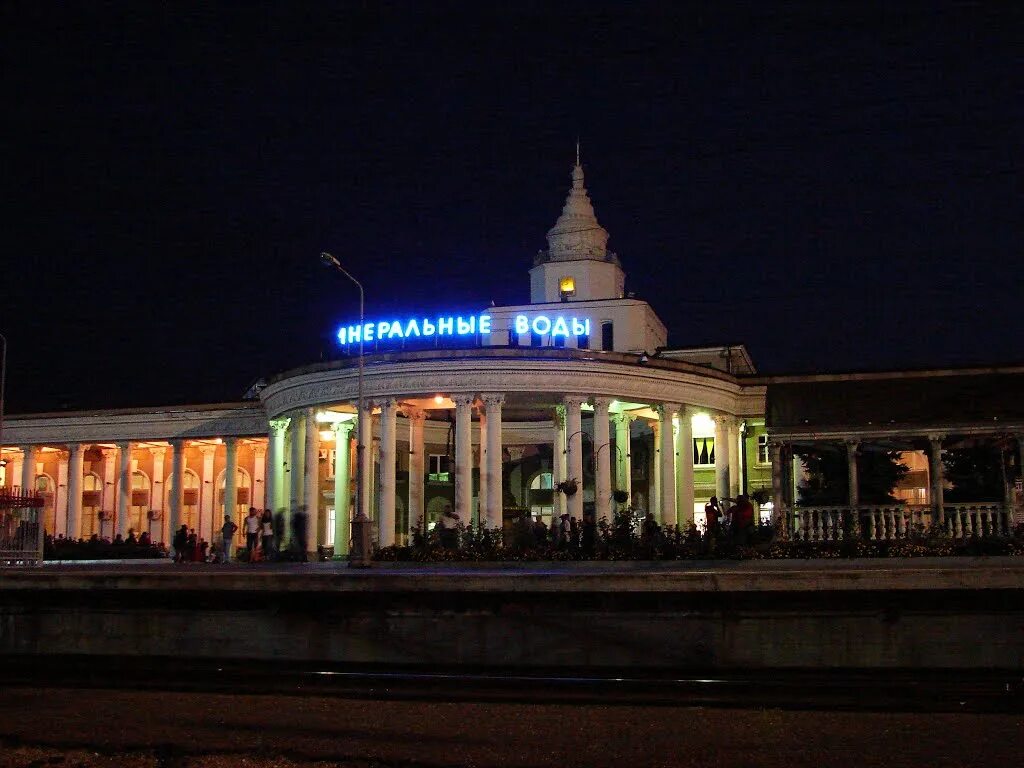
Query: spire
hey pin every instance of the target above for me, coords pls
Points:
(576, 234)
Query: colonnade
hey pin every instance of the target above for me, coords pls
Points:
(286, 472)
(671, 501)
(115, 472)
(784, 498)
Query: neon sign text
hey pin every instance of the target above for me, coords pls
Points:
(559, 326)
(414, 328)
(459, 325)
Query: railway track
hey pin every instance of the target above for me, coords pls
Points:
(875, 690)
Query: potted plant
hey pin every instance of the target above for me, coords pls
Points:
(568, 487)
(620, 496)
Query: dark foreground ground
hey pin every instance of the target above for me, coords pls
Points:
(42, 726)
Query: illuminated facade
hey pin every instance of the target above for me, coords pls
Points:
(486, 413)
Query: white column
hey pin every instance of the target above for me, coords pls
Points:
(156, 493)
(388, 452)
(574, 453)
(734, 458)
(311, 481)
(275, 464)
(17, 465)
(208, 525)
(722, 455)
(177, 495)
(109, 491)
(602, 448)
(495, 490)
(623, 460)
(28, 468)
(1013, 515)
(668, 463)
(259, 476)
(654, 495)
(342, 486)
(684, 467)
(481, 437)
(464, 459)
(558, 460)
(417, 468)
(60, 502)
(230, 481)
(296, 470)
(935, 478)
(374, 480)
(851, 465)
(75, 490)
(124, 482)
(778, 489)
(365, 470)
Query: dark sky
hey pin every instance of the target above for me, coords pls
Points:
(837, 188)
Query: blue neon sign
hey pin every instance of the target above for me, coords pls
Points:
(458, 325)
(415, 328)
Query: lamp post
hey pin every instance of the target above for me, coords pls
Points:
(331, 261)
(3, 382)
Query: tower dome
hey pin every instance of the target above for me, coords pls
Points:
(577, 265)
(576, 234)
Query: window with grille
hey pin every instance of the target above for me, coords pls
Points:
(440, 468)
(703, 451)
(763, 457)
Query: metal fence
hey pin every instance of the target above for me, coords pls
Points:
(21, 529)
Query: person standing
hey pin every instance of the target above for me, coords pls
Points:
(267, 529)
(252, 532)
(179, 542)
(712, 516)
(742, 520)
(227, 531)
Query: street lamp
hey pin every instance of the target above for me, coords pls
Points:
(331, 261)
(3, 382)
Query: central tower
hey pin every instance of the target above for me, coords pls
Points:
(577, 266)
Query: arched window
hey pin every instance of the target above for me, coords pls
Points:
(92, 501)
(542, 496)
(435, 508)
(138, 516)
(241, 507)
(607, 335)
(189, 501)
(44, 487)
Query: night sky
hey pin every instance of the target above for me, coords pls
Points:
(838, 189)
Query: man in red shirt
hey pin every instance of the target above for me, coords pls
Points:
(742, 520)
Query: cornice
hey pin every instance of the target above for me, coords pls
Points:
(135, 426)
(891, 431)
(547, 380)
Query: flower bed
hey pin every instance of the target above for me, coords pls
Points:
(619, 541)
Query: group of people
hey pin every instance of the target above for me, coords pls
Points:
(61, 547)
(737, 522)
(142, 540)
(261, 540)
(564, 533)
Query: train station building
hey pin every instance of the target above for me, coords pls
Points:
(489, 413)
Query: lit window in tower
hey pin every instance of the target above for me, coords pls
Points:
(567, 287)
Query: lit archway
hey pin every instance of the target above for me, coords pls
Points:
(92, 502)
(243, 492)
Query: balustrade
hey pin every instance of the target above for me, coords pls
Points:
(977, 520)
(898, 521)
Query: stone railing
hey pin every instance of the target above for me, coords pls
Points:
(964, 521)
(897, 521)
